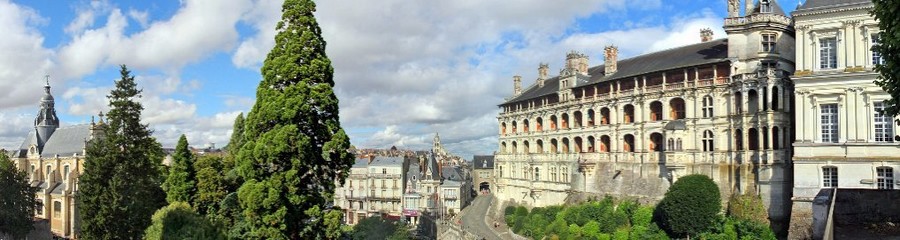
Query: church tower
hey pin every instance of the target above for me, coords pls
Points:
(46, 121)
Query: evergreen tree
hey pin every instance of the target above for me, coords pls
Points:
(234, 144)
(180, 185)
(888, 17)
(17, 200)
(293, 147)
(211, 184)
(120, 187)
(179, 221)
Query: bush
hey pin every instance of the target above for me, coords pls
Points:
(509, 210)
(575, 232)
(622, 233)
(690, 206)
(642, 216)
(748, 207)
(179, 221)
(753, 230)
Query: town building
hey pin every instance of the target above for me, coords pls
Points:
(53, 157)
(720, 107)
(483, 171)
(842, 138)
(373, 188)
(456, 190)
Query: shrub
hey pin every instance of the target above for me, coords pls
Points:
(690, 206)
(559, 228)
(591, 229)
(642, 216)
(509, 210)
(575, 232)
(622, 233)
(748, 207)
(753, 230)
(179, 221)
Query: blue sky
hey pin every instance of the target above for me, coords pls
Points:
(403, 69)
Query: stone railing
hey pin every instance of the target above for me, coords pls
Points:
(757, 18)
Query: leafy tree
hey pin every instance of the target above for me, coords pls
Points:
(374, 228)
(293, 147)
(121, 184)
(180, 185)
(17, 200)
(559, 228)
(690, 206)
(888, 17)
(642, 216)
(179, 221)
(591, 229)
(211, 185)
(575, 232)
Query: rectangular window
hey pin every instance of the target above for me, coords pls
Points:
(57, 209)
(885, 178)
(768, 42)
(829, 177)
(884, 125)
(764, 6)
(828, 53)
(876, 57)
(829, 123)
(39, 209)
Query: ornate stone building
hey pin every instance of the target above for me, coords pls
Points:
(53, 156)
(842, 138)
(721, 107)
(374, 187)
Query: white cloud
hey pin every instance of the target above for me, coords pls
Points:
(24, 61)
(142, 17)
(263, 17)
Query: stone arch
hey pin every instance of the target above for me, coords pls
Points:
(540, 146)
(753, 139)
(564, 122)
(604, 116)
(579, 143)
(752, 101)
(776, 141)
(554, 146)
(604, 143)
(628, 113)
(525, 125)
(565, 145)
(656, 142)
(677, 108)
(591, 116)
(656, 111)
(628, 143)
(553, 122)
(775, 98)
(591, 143)
(526, 148)
(539, 124)
(576, 122)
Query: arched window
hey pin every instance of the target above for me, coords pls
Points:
(738, 103)
(564, 124)
(540, 124)
(514, 125)
(604, 143)
(554, 146)
(578, 144)
(565, 145)
(707, 106)
(628, 143)
(765, 99)
(765, 138)
(738, 139)
(775, 98)
(553, 122)
(656, 141)
(590, 117)
(753, 139)
(753, 101)
(604, 116)
(628, 116)
(707, 141)
(515, 147)
(676, 108)
(655, 111)
(503, 128)
(776, 141)
(537, 173)
(525, 125)
(590, 144)
(66, 172)
(503, 147)
(540, 146)
(577, 122)
(565, 174)
(526, 149)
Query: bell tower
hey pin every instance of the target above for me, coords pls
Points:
(46, 121)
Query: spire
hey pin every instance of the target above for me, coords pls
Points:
(46, 121)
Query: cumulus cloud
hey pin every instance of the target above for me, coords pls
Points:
(24, 61)
(264, 15)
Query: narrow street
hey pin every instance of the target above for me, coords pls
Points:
(473, 218)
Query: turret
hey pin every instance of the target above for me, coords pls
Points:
(46, 121)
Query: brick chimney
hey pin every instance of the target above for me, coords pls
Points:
(517, 85)
(610, 55)
(706, 35)
(542, 73)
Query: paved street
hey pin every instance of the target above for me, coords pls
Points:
(474, 215)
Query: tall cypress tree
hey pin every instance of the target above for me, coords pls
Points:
(120, 188)
(17, 201)
(180, 185)
(294, 148)
(234, 144)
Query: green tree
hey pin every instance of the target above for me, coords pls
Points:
(180, 185)
(211, 185)
(237, 135)
(179, 221)
(888, 17)
(690, 206)
(17, 200)
(293, 147)
(121, 184)
(372, 228)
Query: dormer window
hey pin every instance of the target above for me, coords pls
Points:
(765, 6)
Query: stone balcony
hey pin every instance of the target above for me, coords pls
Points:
(757, 18)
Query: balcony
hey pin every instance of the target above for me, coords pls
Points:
(384, 176)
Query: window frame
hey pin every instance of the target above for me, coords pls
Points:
(707, 106)
(876, 57)
(883, 125)
(829, 130)
(830, 177)
(831, 57)
(769, 42)
(884, 177)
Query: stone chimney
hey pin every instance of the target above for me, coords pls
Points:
(706, 35)
(749, 8)
(577, 61)
(543, 68)
(610, 55)
(517, 85)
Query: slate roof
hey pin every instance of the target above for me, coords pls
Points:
(361, 163)
(676, 125)
(60, 187)
(30, 139)
(483, 162)
(776, 9)
(381, 161)
(67, 141)
(691, 55)
(813, 5)
(452, 174)
(451, 183)
(413, 171)
(431, 163)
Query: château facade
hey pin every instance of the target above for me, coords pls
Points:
(631, 127)
(842, 138)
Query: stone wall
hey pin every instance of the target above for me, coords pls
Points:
(862, 206)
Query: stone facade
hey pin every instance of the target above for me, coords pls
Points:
(374, 187)
(483, 172)
(841, 138)
(633, 126)
(53, 157)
